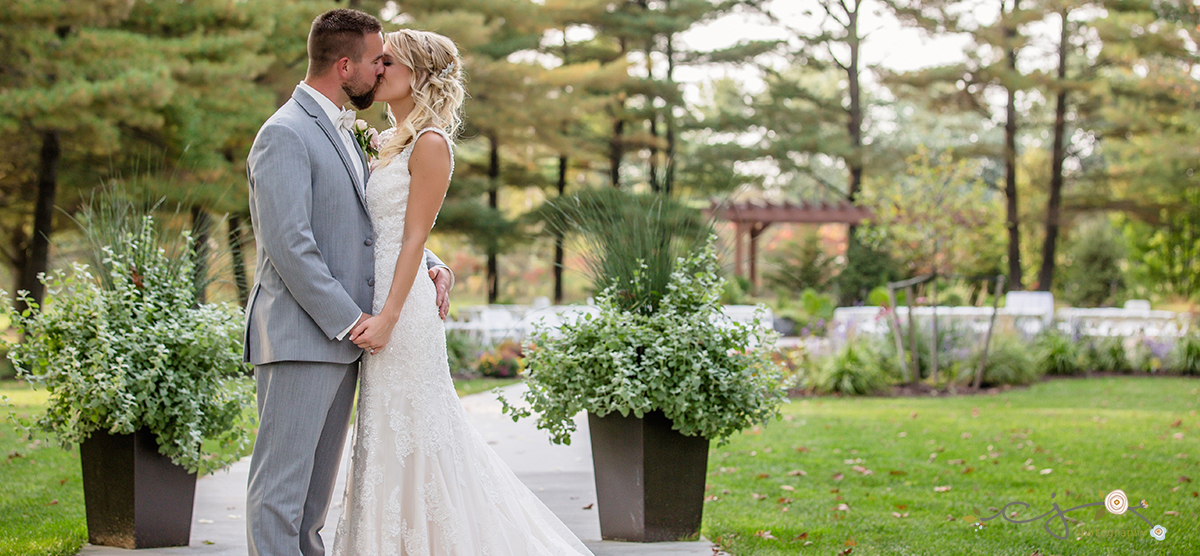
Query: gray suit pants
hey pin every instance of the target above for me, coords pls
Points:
(304, 413)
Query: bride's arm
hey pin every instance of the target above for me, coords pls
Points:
(429, 167)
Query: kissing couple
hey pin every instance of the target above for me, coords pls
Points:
(346, 295)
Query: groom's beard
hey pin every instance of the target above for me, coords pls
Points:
(362, 99)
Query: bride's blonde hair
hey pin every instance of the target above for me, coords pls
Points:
(437, 87)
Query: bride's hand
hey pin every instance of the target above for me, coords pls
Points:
(373, 334)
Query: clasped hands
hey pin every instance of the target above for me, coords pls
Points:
(372, 332)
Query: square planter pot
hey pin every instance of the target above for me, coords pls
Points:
(649, 478)
(135, 497)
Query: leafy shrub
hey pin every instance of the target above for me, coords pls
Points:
(1057, 354)
(1104, 355)
(6, 367)
(505, 360)
(463, 351)
(868, 265)
(1185, 358)
(854, 371)
(1091, 272)
(136, 350)
(1009, 361)
(955, 345)
(711, 378)
(1150, 355)
(799, 264)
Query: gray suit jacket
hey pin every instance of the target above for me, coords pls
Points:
(314, 239)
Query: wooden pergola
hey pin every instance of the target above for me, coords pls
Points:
(751, 218)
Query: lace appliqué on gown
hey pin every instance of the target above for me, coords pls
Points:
(422, 480)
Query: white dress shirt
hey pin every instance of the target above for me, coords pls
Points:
(334, 113)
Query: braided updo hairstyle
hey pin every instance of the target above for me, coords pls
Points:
(437, 87)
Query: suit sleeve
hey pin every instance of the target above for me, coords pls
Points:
(281, 187)
(432, 260)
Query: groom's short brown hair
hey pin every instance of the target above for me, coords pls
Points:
(338, 34)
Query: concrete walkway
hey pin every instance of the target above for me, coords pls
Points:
(561, 476)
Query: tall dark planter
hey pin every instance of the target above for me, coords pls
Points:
(649, 478)
(135, 497)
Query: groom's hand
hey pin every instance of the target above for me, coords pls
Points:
(441, 281)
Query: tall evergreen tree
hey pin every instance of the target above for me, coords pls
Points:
(991, 63)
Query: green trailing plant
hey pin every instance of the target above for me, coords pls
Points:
(1185, 357)
(129, 347)
(854, 370)
(710, 377)
(1057, 354)
(1009, 362)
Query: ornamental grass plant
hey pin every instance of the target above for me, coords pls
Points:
(126, 345)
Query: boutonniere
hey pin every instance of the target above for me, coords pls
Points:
(367, 138)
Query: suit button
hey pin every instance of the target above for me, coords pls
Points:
(371, 282)
(368, 242)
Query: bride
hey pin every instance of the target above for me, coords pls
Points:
(422, 480)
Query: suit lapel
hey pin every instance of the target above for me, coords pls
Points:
(314, 110)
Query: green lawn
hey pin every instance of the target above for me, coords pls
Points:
(911, 475)
(41, 495)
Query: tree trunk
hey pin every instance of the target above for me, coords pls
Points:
(558, 233)
(493, 274)
(38, 258)
(237, 241)
(1054, 206)
(854, 113)
(1010, 156)
(616, 150)
(201, 231)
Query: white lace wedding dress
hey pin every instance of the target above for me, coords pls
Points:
(423, 481)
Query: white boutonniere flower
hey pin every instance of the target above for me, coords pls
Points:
(367, 137)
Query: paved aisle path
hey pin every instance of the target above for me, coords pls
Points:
(560, 475)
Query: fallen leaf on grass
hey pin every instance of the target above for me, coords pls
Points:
(862, 470)
(1185, 479)
(762, 476)
(851, 542)
(965, 435)
(941, 488)
(758, 496)
(838, 476)
(967, 470)
(784, 500)
(897, 472)
(1046, 471)
(709, 498)
(1171, 512)
(855, 460)
(802, 536)
(847, 551)
(796, 472)
(975, 412)
(1177, 436)
(802, 449)
(899, 515)
(765, 535)
(957, 461)
(52, 502)
(901, 506)
(1178, 423)
(843, 507)
(788, 488)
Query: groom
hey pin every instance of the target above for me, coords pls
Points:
(313, 284)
